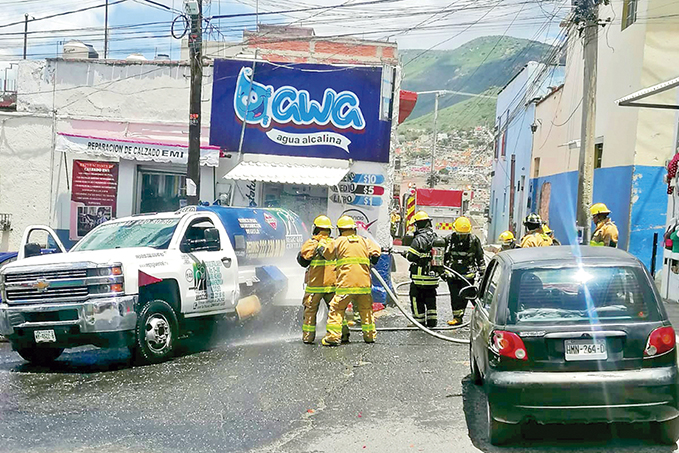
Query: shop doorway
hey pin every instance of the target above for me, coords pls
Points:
(160, 191)
(306, 201)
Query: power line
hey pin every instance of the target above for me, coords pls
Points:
(64, 13)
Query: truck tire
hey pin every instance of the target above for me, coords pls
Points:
(40, 356)
(156, 332)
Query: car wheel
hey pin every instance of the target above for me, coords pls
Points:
(156, 332)
(475, 373)
(667, 432)
(40, 356)
(500, 433)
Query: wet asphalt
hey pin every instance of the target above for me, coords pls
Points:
(257, 388)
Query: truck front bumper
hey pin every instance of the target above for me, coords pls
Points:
(89, 319)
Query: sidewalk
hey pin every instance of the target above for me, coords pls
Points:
(672, 309)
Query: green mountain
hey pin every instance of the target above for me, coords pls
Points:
(482, 65)
(467, 114)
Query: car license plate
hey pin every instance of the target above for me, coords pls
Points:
(45, 336)
(585, 350)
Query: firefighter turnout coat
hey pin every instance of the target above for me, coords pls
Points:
(419, 254)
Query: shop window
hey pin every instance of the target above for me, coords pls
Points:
(160, 192)
(629, 12)
(306, 201)
(598, 154)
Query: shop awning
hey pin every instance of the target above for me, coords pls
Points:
(290, 170)
(141, 150)
(632, 99)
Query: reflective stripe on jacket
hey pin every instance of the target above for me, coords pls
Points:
(419, 254)
(320, 277)
(352, 254)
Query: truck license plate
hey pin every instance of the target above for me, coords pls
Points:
(585, 350)
(45, 336)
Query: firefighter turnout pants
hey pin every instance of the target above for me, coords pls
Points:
(457, 303)
(337, 319)
(423, 304)
(311, 302)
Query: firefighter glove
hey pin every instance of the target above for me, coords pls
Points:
(374, 259)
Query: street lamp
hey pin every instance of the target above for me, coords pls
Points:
(438, 93)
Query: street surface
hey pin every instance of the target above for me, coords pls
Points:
(260, 389)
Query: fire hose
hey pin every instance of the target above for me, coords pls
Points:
(394, 299)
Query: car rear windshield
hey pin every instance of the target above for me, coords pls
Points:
(581, 294)
(155, 233)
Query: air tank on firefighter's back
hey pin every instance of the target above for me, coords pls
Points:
(266, 242)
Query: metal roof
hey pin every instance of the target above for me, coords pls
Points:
(567, 255)
(289, 173)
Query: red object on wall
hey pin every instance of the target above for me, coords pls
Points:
(407, 102)
(439, 197)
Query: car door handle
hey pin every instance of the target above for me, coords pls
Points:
(226, 261)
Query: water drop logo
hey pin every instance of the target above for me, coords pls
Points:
(259, 104)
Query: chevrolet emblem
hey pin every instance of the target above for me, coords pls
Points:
(41, 285)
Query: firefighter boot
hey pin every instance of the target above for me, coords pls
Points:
(345, 330)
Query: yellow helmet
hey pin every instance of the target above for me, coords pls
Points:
(346, 223)
(546, 229)
(323, 222)
(420, 215)
(462, 225)
(507, 237)
(599, 208)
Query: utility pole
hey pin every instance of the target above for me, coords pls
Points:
(25, 33)
(195, 9)
(432, 176)
(106, 31)
(589, 17)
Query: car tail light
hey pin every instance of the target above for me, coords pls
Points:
(509, 344)
(661, 340)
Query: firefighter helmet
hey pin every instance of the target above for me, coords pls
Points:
(420, 216)
(507, 237)
(462, 225)
(533, 219)
(346, 223)
(323, 222)
(599, 208)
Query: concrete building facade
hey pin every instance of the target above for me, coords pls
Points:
(70, 110)
(515, 113)
(632, 145)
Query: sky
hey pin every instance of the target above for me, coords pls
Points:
(420, 24)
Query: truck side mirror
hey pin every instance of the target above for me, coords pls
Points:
(32, 249)
(469, 293)
(212, 243)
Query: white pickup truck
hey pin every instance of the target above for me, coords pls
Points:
(142, 281)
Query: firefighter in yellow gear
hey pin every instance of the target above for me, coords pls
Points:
(534, 236)
(549, 234)
(606, 233)
(354, 255)
(507, 240)
(320, 278)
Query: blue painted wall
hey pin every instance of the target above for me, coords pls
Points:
(612, 186)
(649, 210)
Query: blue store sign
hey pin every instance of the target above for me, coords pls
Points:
(305, 110)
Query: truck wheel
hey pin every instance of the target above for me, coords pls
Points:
(156, 332)
(40, 356)
(500, 433)
(667, 432)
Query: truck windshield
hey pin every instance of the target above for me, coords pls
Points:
(155, 233)
(581, 294)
